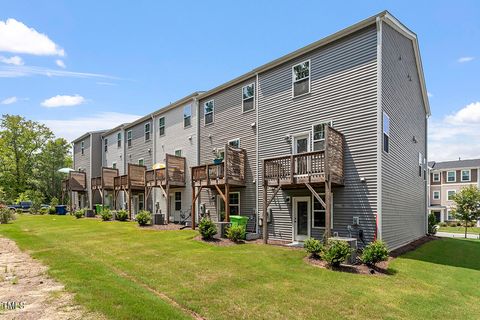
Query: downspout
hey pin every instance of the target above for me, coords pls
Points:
(379, 128)
(154, 160)
(89, 179)
(257, 175)
(196, 103)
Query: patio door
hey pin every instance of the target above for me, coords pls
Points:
(301, 218)
(301, 144)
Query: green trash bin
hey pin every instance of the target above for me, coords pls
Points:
(98, 208)
(239, 221)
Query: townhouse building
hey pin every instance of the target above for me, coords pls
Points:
(446, 178)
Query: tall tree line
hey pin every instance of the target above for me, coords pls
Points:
(30, 157)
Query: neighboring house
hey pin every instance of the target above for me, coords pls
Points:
(446, 179)
(87, 157)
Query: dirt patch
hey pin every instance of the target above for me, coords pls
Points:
(218, 242)
(412, 246)
(24, 281)
(381, 269)
(170, 226)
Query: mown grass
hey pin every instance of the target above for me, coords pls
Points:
(109, 265)
(471, 230)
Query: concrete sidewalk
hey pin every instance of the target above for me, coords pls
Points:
(457, 235)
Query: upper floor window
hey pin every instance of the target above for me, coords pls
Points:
(82, 147)
(451, 176)
(386, 132)
(465, 175)
(208, 109)
(105, 141)
(234, 143)
(248, 97)
(187, 116)
(114, 165)
(450, 194)
(178, 201)
(301, 78)
(436, 177)
(161, 126)
(129, 138)
(420, 163)
(178, 152)
(141, 162)
(436, 195)
(147, 131)
(119, 139)
(318, 134)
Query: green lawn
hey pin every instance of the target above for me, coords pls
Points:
(474, 230)
(113, 268)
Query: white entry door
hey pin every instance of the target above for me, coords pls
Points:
(301, 218)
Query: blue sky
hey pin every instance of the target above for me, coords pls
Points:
(120, 60)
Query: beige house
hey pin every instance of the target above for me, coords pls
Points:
(446, 179)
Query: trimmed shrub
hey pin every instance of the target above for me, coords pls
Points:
(236, 233)
(79, 213)
(54, 202)
(336, 252)
(207, 229)
(432, 224)
(6, 215)
(121, 215)
(143, 218)
(106, 215)
(52, 210)
(44, 210)
(313, 247)
(443, 224)
(374, 252)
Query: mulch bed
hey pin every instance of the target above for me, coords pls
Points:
(218, 242)
(412, 246)
(170, 226)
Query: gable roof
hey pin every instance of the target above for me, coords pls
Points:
(455, 164)
(87, 134)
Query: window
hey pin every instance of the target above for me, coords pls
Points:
(386, 132)
(301, 78)
(105, 141)
(208, 109)
(119, 140)
(147, 131)
(436, 195)
(450, 215)
(318, 212)
(450, 194)
(233, 201)
(129, 138)
(235, 143)
(436, 177)
(178, 201)
(161, 126)
(420, 164)
(141, 162)
(187, 116)
(465, 175)
(114, 165)
(82, 147)
(141, 202)
(248, 97)
(178, 152)
(451, 176)
(318, 134)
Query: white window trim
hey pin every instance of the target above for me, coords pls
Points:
(236, 139)
(434, 193)
(454, 176)
(243, 99)
(175, 201)
(450, 214)
(114, 165)
(162, 126)
(205, 114)
(313, 212)
(119, 140)
(105, 145)
(296, 135)
(190, 116)
(82, 148)
(129, 138)
(175, 152)
(330, 122)
(309, 79)
(384, 114)
(455, 192)
(149, 131)
(141, 159)
(220, 200)
(433, 176)
(469, 175)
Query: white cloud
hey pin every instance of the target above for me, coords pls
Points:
(465, 59)
(63, 101)
(430, 95)
(26, 71)
(456, 135)
(9, 100)
(15, 60)
(106, 84)
(71, 129)
(16, 37)
(60, 63)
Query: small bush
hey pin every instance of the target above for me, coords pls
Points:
(236, 233)
(432, 224)
(375, 252)
(443, 224)
(43, 211)
(336, 252)
(54, 202)
(313, 247)
(207, 229)
(121, 215)
(106, 215)
(6, 215)
(79, 213)
(144, 218)
(52, 210)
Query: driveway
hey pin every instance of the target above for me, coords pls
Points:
(457, 235)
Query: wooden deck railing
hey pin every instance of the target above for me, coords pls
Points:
(106, 180)
(135, 179)
(173, 173)
(76, 181)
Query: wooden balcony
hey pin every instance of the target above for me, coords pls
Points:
(76, 181)
(134, 180)
(294, 170)
(106, 180)
(173, 174)
(231, 171)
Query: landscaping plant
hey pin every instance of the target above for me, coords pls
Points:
(432, 224)
(6, 215)
(336, 252)
(121, 215)
(313, 247)
(79, 213)
(467, 206)
(106, 215)
(207, 229)
(52, 210)
(44, 210)
(236, 233)
(144, 218)
(375, 252)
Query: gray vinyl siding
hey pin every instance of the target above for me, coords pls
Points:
(230, 122)
(114, 153)
(140, 148)
(403, 190)
(343, 89)
(177, 137)
(96, 165)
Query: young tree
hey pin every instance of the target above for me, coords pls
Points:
(467, 205)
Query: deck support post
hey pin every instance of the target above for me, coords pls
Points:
(193, 206)
(227, 202)
(328, 207)
(168, 203)
(129, 195)
(265, 207)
